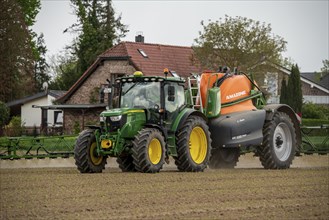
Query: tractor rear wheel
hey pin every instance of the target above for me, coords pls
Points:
(85, 153)
(193, 145)
(148, 151)
(279, 145)
(226, 158)
(126, 163)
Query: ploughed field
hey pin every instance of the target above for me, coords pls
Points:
(301, 192)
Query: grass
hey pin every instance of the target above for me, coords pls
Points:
(52, 143)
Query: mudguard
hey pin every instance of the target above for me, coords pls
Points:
(183, 115)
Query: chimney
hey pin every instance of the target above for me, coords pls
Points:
(139, 37)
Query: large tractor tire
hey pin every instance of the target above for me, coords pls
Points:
(224, 158)
(148, 151)
(126, 163)
(85, 154)
(193, 145)
(279, 145)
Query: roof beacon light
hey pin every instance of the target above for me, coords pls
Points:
(166, 71)
(138, 74)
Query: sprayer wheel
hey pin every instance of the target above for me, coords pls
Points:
(224, 158)
(193, 145)
(85, 155)
(279, 145)
(148, 150)
(126, 163)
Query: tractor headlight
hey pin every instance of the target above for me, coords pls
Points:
(102, 119)
(116, 118)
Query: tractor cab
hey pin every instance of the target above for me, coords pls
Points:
(159, 97)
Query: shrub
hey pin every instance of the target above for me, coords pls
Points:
(15, 127)
(4, 115)
(310, 110)
(76, 127)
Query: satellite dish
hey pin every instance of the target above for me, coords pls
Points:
(45, 86)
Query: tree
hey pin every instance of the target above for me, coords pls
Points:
(65, 72)
(237, 42)
(294, 90)
(30, 10)
(284, 96)
(16, 49)
(41, 66)
(4, 116)
(98, 30)
(19, 49)
(325, 68)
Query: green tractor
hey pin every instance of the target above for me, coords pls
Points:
(152, 123)
(206, 124)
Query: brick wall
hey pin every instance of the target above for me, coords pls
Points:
(308, 90)
(76, 119)
(88, 91)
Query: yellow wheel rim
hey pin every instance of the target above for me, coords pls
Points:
(96, 160)
(155, 151)
(198, 145)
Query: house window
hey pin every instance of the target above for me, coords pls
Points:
(58, 117)
(142, 53)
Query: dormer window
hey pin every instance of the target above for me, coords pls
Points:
(142, 53)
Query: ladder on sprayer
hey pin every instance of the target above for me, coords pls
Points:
(194, 89)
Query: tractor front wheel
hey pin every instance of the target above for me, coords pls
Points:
(193, 145)
(279, 145)
(224, 158)
(85, 153)
(148, 151)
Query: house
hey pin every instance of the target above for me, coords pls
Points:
(315, 86)
(317, 90)
(34, 118)
(82, 104)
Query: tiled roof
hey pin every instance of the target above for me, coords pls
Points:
(321, 79)
(158, 57)
(53, 93)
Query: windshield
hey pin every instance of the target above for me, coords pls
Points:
(140, 95)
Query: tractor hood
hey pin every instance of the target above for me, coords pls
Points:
(128, 121)
(120, 111)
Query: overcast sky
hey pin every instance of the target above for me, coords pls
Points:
(303, 24)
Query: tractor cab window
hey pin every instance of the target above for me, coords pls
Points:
(140, 95)
(174, 96)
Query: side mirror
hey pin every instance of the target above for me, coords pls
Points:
(171, 93)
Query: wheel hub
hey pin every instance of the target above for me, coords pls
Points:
(155, 151)
(282, 141)
(96, 159)
(198, 145)
(279, 142)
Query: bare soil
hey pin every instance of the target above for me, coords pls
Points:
(301, 192)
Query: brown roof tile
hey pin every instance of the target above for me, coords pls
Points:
(175, 58)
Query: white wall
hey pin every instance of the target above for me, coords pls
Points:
(32, 116)
(316, 99)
